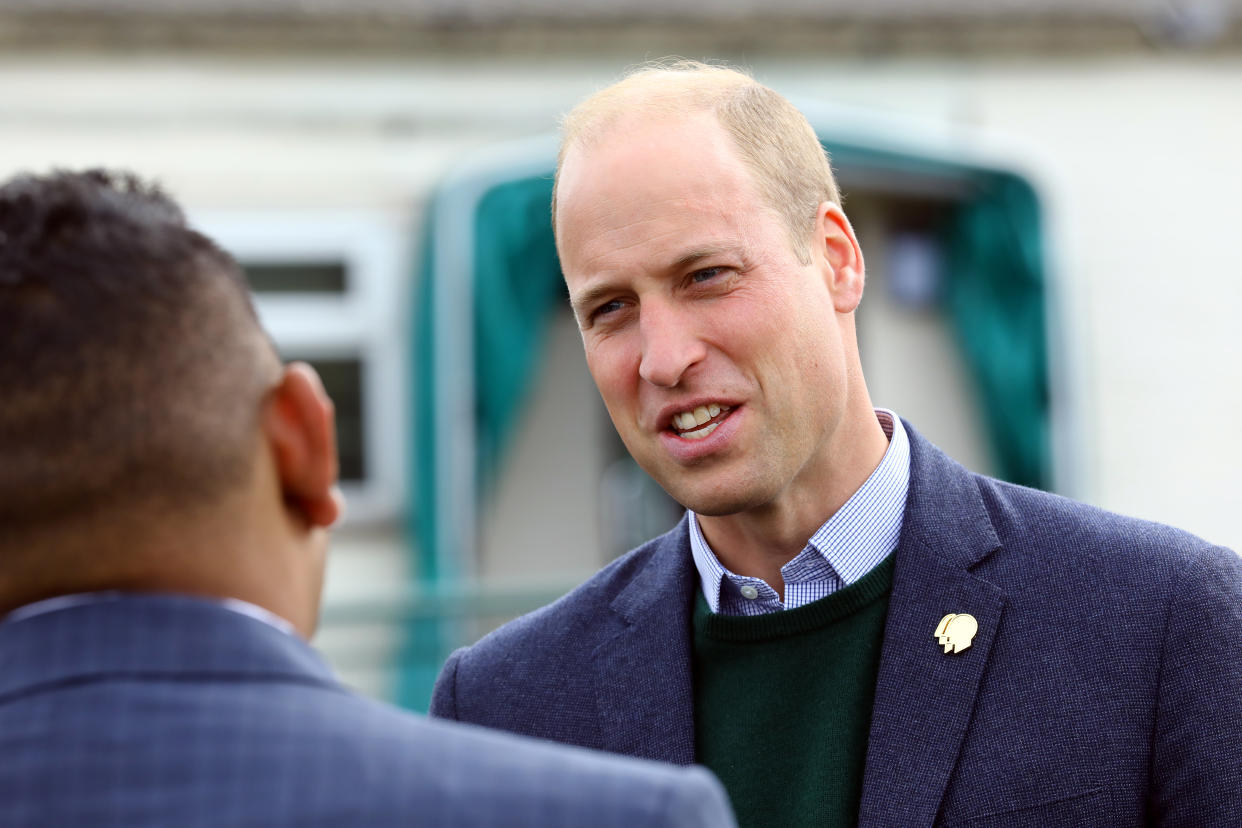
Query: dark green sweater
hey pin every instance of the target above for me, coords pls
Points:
(782, 703)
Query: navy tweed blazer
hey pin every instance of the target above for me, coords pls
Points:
(1103, 688)
(170, 711)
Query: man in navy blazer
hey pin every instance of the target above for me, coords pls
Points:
(934, 646)
(165, 491)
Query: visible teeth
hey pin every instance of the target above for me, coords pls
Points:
(700, 433)
(700, 415)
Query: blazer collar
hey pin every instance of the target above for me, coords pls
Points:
(150, 635)
(925, 697)
(644, 658)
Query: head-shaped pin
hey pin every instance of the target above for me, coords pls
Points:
(956, 631)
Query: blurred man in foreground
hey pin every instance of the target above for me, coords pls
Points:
(165, 489)
(848, 627)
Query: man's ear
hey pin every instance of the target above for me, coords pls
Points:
(300, 426)
(837, 248)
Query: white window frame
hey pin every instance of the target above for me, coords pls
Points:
(368, 322)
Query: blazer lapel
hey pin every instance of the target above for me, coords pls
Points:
(924, 696)
(643, 668)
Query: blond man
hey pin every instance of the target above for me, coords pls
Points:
(847, 626)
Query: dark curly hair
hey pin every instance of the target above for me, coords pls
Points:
(130, 353)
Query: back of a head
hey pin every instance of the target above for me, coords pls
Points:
(773, 138)
(129, 355)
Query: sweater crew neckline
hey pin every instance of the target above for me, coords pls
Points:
(815, 615)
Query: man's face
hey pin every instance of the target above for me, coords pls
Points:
(694, 307)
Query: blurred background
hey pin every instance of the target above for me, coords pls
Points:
(1046, 192)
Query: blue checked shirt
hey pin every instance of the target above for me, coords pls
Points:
(862, 533)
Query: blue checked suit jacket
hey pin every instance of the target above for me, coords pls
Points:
(170, 711)
(1104, 687)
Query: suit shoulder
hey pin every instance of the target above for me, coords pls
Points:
(492, 778)
(376, 764)
(1037, 524)
(534, 675)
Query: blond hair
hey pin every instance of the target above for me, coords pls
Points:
(773, 138)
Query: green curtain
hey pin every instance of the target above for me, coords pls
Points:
(995, 297)
(517, 283)
(422, 649)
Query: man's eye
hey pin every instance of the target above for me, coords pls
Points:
(706, 274)
(606, 308)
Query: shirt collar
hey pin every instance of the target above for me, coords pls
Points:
(858, 536)
(77, 599)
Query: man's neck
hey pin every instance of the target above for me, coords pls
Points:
(216, 556)
(758, 542)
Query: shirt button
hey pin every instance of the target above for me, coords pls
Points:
(750, 592)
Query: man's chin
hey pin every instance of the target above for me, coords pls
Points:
(716, 501)
(719, 509)
(715, 488)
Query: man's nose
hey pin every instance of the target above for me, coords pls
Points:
(670, 345)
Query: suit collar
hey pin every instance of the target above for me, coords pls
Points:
(661, 581)
(944, 509)
(925, 697)
(646, 656)
(149, 635)
(60, 602)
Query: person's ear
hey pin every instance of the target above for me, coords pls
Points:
(299, 424)
(836, 247)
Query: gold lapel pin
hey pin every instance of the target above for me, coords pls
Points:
(955, 631)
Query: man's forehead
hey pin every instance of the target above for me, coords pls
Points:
(652, 238)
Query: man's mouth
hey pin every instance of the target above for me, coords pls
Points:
(698, 422)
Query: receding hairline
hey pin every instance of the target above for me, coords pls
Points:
(787, 162)
(669, 87)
